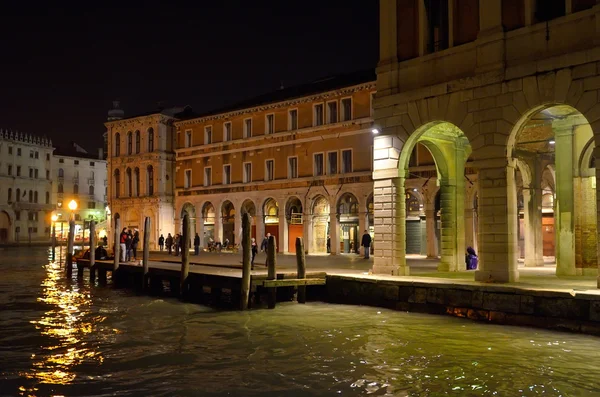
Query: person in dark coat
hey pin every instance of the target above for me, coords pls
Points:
(101, 253)
(169, 242)
(161, 242)
(366, 242)
(471, 259)
(196, 244)
(128, 241)
(134, 244)
(254, 249)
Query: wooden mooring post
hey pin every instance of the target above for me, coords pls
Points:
(146, 255)
(117, 241)
(301, 263)
(271, 271)
(70, 244)
(185, 256)
(53, 240)
(246, 266)
(92, 253)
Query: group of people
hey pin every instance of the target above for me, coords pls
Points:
(176, 243)
(128, 243)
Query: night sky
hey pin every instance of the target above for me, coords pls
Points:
(60, 68)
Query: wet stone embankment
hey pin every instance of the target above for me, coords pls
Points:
(568, 311)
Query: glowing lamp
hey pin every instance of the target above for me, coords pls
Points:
(54, 218)
(72, 205)
(375, 131)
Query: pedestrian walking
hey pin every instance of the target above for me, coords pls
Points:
(161, 242)
(169, 242)
(265, 243)
(254, 248)
(128, 241)
(196, 244)
(366, 242)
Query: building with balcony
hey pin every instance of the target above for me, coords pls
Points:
(25, 188)
(80, 176)
(489, 114)
(297, 160)
(141, 165)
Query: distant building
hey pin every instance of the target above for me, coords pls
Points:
(297, 160)
(141, 165)
(80, 176)
(25, 188)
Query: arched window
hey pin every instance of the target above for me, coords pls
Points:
(150, 139)
(47, 197)
(91, 190)
(117, 184)
(150, 180)
(129, 182)
(75, 189)
(129, 143)
(9, 195)
(136, 184)
(60, 188)
(117, 144)
(35, 197)
(18, 195)
(61, 173)
(137, 142)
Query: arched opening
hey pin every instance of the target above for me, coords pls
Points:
(347, 212)
(271, 219)
(228, 221)
(61, 173)
(136, 182)
(438, 151)
(137, 142)
(150, 180)
(129, 182)
(249, 208)
(190, 210)
(4, 226)
(129, 143)
(320, 225)
(117, 144)
(150, 139)
(208, 217)
(295, 221)
(91, 191)
(555, 190)
(117, 184)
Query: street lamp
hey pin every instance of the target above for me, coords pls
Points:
(72, 205)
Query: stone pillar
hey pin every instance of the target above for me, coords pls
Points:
(498, 246)
(218, 226)
(529, 11)
(200, 228)
(282, 239)
(334, 228)
(362, 226)
(564, 214)
(237, 227)
(388, 48)
(307, 233)
(430, 226)
(260, 225)
(390, 227)
(469, 225)
(422, 28)
(532, 203)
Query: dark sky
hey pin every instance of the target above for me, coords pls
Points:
(60, 68)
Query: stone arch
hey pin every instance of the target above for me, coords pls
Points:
(294, 215)
(450, 149)
(320, 210)
(189, 209)
(208, 224)
(228, 222)
(536, 134)
(347, 210)
(270, 211)
(248, 207)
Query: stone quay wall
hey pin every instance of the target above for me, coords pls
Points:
(565, 311)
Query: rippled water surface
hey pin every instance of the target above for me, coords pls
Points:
(68, 339)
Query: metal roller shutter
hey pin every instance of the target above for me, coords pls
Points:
(413, 237)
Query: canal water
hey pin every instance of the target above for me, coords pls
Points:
(61, 338)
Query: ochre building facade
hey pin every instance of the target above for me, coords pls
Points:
(298, 161)
(504, 96)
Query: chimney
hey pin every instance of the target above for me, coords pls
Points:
(101, 153)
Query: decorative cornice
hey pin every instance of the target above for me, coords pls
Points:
(148, 120)
(278, 105)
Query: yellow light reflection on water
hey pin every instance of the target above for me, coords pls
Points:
(66, 322)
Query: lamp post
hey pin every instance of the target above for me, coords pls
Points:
(72, 206)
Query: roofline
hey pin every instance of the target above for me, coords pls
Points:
(129, 119)
(277, 104)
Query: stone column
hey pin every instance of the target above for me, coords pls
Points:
(334, 228)
(260, 225)
(390, 227)
(218, 226)
(307, 233)
(388, 48)
(532, 203)
(498, 246)
(430, 226)
(237, 227)
(200, 229)
(469, 225)
(564, 214)
(282, 239)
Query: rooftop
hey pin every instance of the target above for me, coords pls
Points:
(75, 150)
